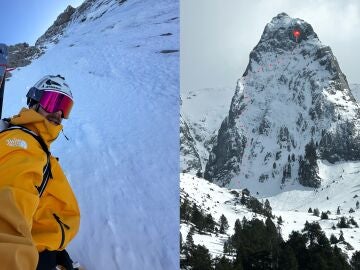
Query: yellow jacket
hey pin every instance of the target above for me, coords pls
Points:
(29, 223)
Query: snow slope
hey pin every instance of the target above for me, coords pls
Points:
(292, 206)
(215, 200)
(122, 156)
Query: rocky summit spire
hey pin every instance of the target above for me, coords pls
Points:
(292, 107)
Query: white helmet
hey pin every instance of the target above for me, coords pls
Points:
(50, 83)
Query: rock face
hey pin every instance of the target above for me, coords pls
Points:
(81, 13)
(292, 106)
(21, 55)
(189, 156)
(203, 111)
(54, 31)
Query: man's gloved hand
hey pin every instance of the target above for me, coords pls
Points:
(48, 260)
(63, 259)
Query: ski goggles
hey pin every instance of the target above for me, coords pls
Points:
(52, 101)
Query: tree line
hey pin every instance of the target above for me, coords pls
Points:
(258, 245)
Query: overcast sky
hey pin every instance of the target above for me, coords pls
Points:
(27, 20)
(218, 35)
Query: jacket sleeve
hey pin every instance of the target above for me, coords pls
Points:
(57, 200)
(21, 164)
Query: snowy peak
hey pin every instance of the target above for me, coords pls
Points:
(61, 22)
(283, 29)
(89, 10)
(292, 107)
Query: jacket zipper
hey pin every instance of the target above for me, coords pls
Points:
(62, 226)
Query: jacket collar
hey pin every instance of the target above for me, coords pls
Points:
(37, 123)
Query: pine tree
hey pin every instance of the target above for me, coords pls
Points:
(288, 175)
(227, 248)
(224, 225)
(267, 208)
(287, 259)
(353, 222)
(236, 237)
(308, 168)
(355, 260)
(223, 264)
(310, 210)
(341, 237)
(188, 247)
(313, 232)
(237, 226)
(197, 218)
(209, 223)
(243, 199)
(316, 212)
(181, 242)
(283, 179)
(343, 223)
(200, 258)
(338, 210)
(338, 260)
(310, 153)
(244, 221)
(297, 242)
(185, 210)
(333, 239)
(189, 239)
(324, 215)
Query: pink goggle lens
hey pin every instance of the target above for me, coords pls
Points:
(56, 101)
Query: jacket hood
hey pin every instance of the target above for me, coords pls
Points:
(38, 124)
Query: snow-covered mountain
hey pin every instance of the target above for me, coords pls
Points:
(293, 110)
(292, 106)
(121, 61)
(202, 112)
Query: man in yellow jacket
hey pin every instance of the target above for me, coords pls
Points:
(39, 214)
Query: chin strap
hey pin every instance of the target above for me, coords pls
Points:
(35, 106)
(64, 135)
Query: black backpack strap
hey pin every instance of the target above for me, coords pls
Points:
(47, 168)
